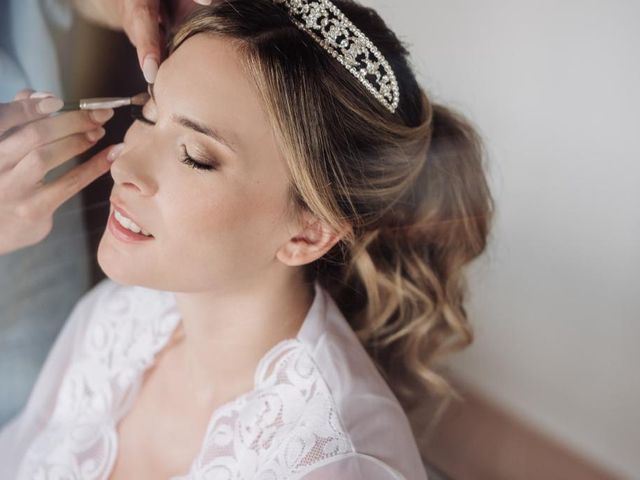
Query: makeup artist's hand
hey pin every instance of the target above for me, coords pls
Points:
(32, 142)
(140, 20)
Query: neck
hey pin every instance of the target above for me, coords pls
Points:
(224, 334)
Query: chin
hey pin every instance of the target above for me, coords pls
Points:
(120, 269)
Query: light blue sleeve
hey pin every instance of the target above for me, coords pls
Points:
(39, 284)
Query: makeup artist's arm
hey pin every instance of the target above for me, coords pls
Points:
(140, 20)
(32, 142)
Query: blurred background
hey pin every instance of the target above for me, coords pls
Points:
(551, 386)
(553, 87)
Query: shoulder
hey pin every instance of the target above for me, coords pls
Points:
(109, 299)
(99, 291)
(331, 417)
(123, 298)
(123, 320)
(317, 431)
(83, 312)
(105, 294)
(359, 403)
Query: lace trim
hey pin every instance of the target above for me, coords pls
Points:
(127, 327)
(287, 424)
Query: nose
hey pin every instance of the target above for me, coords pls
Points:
(132, 170)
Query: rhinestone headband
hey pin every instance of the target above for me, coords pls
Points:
(328, 26)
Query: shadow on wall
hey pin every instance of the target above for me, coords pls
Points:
(477, 439)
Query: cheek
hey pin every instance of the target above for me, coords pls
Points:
(234, 220)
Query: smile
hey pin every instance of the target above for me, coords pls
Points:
(129, 224)
(125, 229)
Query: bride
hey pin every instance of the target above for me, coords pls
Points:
(285, 254)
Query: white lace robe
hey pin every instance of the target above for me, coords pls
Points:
(319, 408)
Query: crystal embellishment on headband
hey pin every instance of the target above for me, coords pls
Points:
(328, 26)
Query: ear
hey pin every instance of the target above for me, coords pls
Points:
(310, 243)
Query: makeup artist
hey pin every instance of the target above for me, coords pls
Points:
(43, 258)
(32, 143)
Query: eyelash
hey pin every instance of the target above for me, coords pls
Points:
(136, 113)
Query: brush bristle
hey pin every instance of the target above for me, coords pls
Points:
(140, 99)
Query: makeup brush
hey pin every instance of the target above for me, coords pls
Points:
(104, 102)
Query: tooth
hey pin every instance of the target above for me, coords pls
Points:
(133, 227)
(129, 224)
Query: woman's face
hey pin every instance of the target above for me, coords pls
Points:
(211, 229)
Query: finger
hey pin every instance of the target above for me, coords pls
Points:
(14, 114)
(46, 130)
(33, 168)
(41, 95)
(62, 189)
(24, 93)
(142, 27)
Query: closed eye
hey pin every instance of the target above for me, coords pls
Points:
(136, 114)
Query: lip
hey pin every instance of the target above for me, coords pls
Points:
(117, 205)
(122, 233)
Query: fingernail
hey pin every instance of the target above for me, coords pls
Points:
(41, 95)
(95, 134)
(115, 151)
(49, 105)
(149, 69)
(101, 115)
(203, 2)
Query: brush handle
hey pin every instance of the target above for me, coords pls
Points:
(95, 103)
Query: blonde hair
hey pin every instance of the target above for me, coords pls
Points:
(411, 184)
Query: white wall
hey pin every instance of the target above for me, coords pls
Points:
(555, 88)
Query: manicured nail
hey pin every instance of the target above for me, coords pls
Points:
(49, 105)
(101, 115)
(94, 135)
(41, 95)
(115, 151)
(150, 69)
(203, 2)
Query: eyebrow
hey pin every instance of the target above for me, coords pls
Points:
(196, 126)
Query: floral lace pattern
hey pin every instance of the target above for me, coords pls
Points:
(284, 427)
(287, 424)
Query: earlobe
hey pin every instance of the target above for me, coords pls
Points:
(311, 243)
